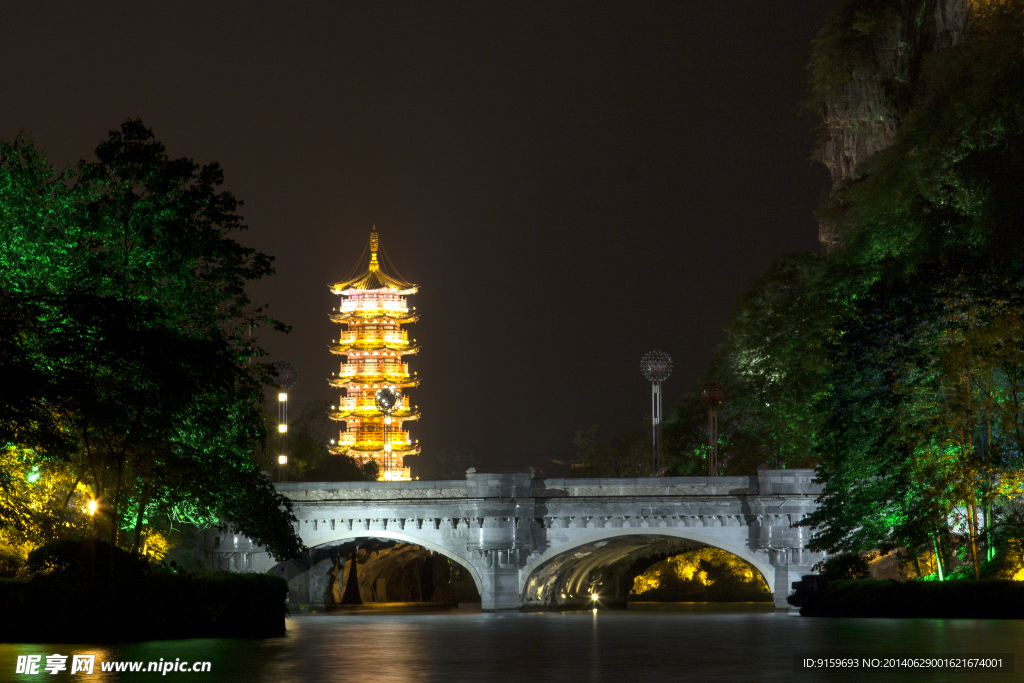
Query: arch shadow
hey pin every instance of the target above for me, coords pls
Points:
(767, 571)
(405, 538)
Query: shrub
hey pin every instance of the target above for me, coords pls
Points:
(818, 597)
(89, 591)
(845, 566)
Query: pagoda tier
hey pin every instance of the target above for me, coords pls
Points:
(372, 309)
(350, 347)
(370, 317)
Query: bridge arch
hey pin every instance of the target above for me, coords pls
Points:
(404, 538)
(760, 564)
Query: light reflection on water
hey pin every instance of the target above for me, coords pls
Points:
(705, 642)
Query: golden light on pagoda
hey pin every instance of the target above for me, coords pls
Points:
(373, 308)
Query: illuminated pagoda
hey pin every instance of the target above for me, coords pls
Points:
(372, 310)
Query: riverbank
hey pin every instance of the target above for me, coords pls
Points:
(90, 591)
(960, 599)
(53, 609)
(402, 608)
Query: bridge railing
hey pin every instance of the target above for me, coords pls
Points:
(520, 485)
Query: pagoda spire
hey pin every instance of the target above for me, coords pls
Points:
(374, 242)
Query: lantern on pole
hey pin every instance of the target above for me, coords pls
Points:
(656, 366)
(712, 395)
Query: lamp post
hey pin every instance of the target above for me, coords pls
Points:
(287, 374)
(712, 395)
(656, 366)
(282, 429)
(388, 401)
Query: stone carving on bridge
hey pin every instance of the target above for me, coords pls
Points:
(341, 491)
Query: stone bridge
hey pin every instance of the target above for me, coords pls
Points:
(533, 542)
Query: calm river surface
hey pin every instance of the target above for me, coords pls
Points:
(688, 642)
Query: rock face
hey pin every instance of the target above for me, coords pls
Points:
(862, 111)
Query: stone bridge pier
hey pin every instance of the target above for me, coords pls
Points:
(534, 542)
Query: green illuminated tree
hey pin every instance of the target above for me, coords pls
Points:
(923, 409)
(949, 183)
(41, 204)
(143, 335)
(774, 369)
(925, 413)
(686, 438)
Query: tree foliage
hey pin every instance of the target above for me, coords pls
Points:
(626, 454)
(705, 574)
(949, 182)
(918, 442)
(134, 334)
(449, 461)
(773, 368)
(895, 362)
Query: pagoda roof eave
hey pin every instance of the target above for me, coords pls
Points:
(345, 415)
(372, 318)
(340, 350)
(373, 279)
(341, 289)
(349, 450)
(342, 382)
(395, 450)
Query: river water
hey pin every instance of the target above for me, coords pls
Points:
(700, 642)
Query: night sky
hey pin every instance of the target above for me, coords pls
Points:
(570, 183)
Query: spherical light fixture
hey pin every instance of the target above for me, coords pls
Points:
(388, 400)
(712, 394)
(656, 366)
(287, 374)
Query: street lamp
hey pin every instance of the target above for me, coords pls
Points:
(656, 366)
(287, 374)
(388, 401)
(712, 395)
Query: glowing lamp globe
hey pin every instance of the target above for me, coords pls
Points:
(387, 400)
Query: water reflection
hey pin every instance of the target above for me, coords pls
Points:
(696, 641)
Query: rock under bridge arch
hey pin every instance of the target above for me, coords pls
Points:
(320, 577)
(454, 556)
(565, 573)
